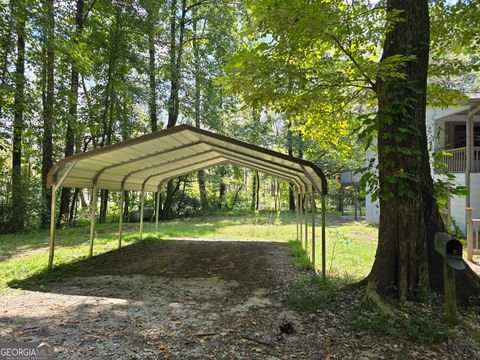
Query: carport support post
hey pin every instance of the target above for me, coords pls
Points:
(300, 214)
(93, 209)
(306, 222)
(298, 209)
(313, 228)
(142, 198)
(157, 209)
(324, 261)
(120, 221)
(52, 227)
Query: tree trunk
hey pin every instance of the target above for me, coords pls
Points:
(291, 196)
(6, 46)
(47, 144)
(126, 206)
(257, 192)
(197, 115)
(175, 54)
(254, 190)
(409, 216)
(221, 193)
(18, 213)
(152, 68)
(72, 111)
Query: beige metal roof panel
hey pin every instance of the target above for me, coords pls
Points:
(167, 153)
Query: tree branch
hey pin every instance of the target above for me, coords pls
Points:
(352, 59)
(88, 11)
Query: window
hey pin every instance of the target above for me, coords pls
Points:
(460, 136)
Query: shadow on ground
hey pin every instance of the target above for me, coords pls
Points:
(135, 271)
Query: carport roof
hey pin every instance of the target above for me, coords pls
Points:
(147, 161)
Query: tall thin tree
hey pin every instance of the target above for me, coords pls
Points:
(18, 200)
(48, 103)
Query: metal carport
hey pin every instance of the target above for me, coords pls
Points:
(146, 162)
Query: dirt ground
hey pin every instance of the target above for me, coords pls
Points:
(191, 300)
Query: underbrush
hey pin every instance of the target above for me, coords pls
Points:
(421, 327)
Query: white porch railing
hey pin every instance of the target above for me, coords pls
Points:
(457, 159)
(473, 240)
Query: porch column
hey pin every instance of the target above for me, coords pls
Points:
(469, 156)
(470, 160)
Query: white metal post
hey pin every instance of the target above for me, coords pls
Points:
(297, 198)
(324, 261)
(93, 209)
(157, 209)
(306, 222)
(120, 221)
(142, 197)
(313, 228)
(52, 227)
(469, 214)
(300, 213)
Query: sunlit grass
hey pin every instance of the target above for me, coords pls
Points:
(350, 245)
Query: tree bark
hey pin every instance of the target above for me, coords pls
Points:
(152, 68)
(6, 46)
(72, 111)
(409, 216)
(222, 189)
(197, 114)
(254, 190)
(18, 212)
(175, 55)
(291, 196)
(47, 143)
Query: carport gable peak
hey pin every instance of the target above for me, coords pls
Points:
(170, 150)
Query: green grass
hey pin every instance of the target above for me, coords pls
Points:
(301, 260)
(417, 327)
(313, 293)
(350, 245)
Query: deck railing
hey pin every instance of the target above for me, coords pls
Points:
(473, 230)
(456, 160)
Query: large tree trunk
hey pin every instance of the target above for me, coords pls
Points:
(18, 213)
(409, 217)
(47, 144)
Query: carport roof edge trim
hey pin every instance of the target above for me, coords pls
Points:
(187, 128)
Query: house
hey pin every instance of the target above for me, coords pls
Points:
(455, 129)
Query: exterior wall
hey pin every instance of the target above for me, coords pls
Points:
(435, 122)
(372, 211)
(457, 203)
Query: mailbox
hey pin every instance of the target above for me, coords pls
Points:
(450, 249)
